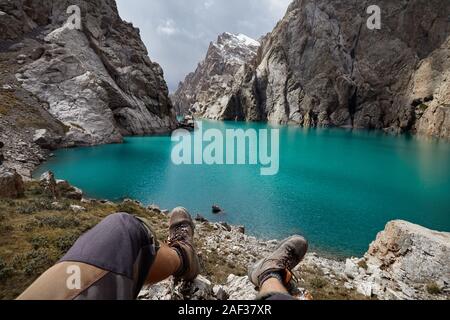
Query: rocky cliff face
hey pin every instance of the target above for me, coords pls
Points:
(207, 91)
(97, 84)
(322, 66)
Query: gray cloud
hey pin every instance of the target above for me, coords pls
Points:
(178, 32)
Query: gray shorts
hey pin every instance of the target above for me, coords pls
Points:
(125, 247)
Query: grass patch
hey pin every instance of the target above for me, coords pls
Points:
(314, 280)
(318, 283)
(35, 233)
(433, 288)
(423, 107)
(77, 126)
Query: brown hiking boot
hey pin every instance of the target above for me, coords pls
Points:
(287, 256)
(181, 238)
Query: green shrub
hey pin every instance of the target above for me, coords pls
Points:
(318, 283)
(36, 262)
(35, 206)
(5, 270)
(433, 288)
(423, 107)
(39, 242)
(59, 222)
(129, 207)
(64, 243)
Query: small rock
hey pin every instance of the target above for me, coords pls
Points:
(199, 289)
(48, 183)
(365, 288)
(77, 209)
(11, 183)
(201, 219)
(64, 189)
(226, 226)
(37, 53)
(351, 269)
(241, 229)
(154, 208)
(222, 295)
(216, 209)
(57, 206)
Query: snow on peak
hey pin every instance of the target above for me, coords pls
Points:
(247, 40)
(238, 40)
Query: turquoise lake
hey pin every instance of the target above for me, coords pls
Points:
(336, 187)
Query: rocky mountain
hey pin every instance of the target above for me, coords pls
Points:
(85, 86)
(323, 67)
(208, 90)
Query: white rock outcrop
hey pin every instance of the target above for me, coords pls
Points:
(406, 261)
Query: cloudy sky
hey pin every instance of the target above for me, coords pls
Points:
(178, 32)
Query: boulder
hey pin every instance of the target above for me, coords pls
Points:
(405, 262)
(37, 53)
(200, 218)
(199, 289)
(226, 226)
(77, 209)
(46, 140)
(48, 183)
(240, 288)
(351, 269)
(154, 208)
(11, 183)
(412, 255)
(66, 190)
(220, 293)
(216, 209)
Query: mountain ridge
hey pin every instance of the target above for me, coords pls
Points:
(322, 67)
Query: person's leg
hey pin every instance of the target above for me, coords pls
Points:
(166, 264)
(272, 285)
(117, 257)
(109, 262)
(272, 275)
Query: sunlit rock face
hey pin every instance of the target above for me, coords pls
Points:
(98, 80)
(323, 67)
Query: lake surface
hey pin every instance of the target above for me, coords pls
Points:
(336, 187)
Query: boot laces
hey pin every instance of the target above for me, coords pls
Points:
(180, 234)
(286, 261)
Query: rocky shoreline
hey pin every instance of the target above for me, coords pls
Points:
(405, 262)
(355, 278)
